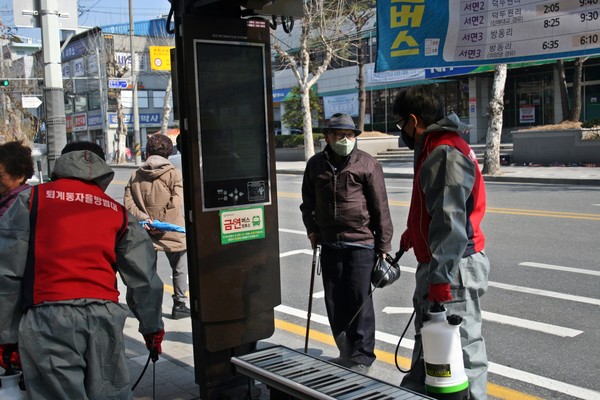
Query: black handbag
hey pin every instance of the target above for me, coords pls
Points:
(386, 271)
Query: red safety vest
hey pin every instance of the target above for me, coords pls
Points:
(419, 219)
(75, 227)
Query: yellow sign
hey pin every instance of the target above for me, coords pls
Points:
(160, 58)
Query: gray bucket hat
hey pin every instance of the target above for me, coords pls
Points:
(342, 121)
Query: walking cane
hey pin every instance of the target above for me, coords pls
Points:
(310, 295)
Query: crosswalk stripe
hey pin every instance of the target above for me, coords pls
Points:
(507, 320)
(560, 268)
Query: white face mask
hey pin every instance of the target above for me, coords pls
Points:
(343, 147)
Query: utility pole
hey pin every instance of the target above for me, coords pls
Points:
(136, 120)
(53, 85)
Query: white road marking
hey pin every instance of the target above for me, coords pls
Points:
(319, 295)
(560, 268)
(399, 187)
(531, 325)
(546, 293)
(541, 381)
(397, 310)
(294, 231)
(507, 320)
(294, 252)
(529, 290)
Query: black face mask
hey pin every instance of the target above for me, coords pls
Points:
(408, 141)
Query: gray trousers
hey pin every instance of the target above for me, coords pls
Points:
(75, 350)
(469, 284)
(179, 267)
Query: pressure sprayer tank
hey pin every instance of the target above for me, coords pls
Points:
(10, 387)
(445, 376)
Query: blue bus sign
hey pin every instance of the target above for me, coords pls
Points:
(118, 83)
(460, 33)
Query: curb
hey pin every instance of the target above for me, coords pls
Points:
(486, 178)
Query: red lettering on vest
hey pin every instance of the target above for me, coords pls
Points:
(77, 228)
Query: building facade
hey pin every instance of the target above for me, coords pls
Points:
(97, 80)
(531, 98)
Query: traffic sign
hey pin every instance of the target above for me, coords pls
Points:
(118, 83)
(27, 14)
(30, 102)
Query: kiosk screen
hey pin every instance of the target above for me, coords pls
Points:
(233, 123)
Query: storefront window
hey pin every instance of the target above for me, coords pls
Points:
(94, 100)
(380, 104)
(529, 99)
(80, 103)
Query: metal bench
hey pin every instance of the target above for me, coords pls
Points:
(306, 377)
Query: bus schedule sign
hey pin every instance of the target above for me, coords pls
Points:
(430, 33)
(242, 224)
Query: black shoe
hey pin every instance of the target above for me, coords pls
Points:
(341, 361)
(180, 310)
(360, 368)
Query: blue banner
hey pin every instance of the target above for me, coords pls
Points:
(434, 33)
(281, 95)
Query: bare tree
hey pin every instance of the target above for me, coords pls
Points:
(491, 157)
(564, 94)
(115, 70)
(571, 112)
(103, 50)
(167, 107)
(320, 26)
(577, 80)
(163, 38)
(359, 13)
(17, 122)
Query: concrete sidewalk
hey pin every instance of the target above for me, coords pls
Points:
(518, 174)
(588, 176)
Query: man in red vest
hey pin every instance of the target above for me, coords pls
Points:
(443, 228)
(61, 244)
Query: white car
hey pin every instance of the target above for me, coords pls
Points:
(176, 160)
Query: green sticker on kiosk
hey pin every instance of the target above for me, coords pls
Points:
(242, 224)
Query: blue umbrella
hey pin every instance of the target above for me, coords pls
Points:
(163, 226)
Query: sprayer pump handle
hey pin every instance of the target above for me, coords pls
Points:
(437, 307)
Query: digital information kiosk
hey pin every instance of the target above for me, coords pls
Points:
(224, 102)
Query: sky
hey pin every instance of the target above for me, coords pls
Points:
(93, 13)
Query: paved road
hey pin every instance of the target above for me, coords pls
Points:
(513, 376)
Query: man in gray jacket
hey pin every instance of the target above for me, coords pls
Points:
(345, 210)
(61, 244)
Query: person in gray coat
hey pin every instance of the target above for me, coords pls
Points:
(61, 245)
(155, 192)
